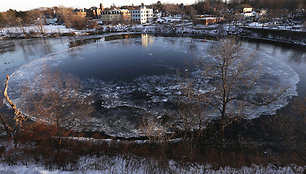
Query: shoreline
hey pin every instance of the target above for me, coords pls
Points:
(215, 33)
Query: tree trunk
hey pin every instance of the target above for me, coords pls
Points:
(222, 124)
(58, 134)
(19, 118)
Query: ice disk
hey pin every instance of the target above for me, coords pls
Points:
(121, 100)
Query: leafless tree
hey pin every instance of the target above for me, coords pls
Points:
(171, 8)
(154, 130)
(37, 18)
(157, 133)
(65, 15)
(191, 109)
(233, 73)
(2, 21)
(57, 102)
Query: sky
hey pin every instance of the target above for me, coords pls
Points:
(31, 4)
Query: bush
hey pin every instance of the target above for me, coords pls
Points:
(81, 23)
(78, 22)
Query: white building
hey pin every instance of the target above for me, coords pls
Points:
(142, 15)
(247, 10)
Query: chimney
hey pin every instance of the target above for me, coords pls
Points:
(101, 7)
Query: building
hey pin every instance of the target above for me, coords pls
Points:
(93, 12)
(247, 10)
(80, 12)
(116, 15)
(110, 16)
(208, 19)
(126, 14)
(142, 15)
(244, 8)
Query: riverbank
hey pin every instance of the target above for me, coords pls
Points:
(292, 38)
(41, 153)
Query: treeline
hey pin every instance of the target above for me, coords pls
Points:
(13, 18)
(214, 6)
(271, 4)
(17, 18)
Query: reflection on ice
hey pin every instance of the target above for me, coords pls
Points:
(120, 104)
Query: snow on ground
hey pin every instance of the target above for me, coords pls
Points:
(133, 164)
(292, 27)
(118, 164)
(165, 25)
(47, 29)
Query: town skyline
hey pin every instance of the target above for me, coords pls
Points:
(32, 4)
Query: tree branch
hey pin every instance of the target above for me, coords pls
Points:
(19, 118)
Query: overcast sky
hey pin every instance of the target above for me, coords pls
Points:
(31, 4)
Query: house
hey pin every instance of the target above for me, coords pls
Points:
(246, 8)
(247, 12)
(93, 12)
(263, 12)
(243, 8)
(116, 15)
(208, 19)
(142, 15)
(126, 14)
(110, 16)
(80, 12)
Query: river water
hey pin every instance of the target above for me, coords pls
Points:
(132, 75)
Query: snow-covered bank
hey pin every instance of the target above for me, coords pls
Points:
(185, 29)
(121, 165)
(35, 31)
(279, 33)
(295, 28)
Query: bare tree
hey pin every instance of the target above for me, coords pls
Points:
(171, 8)
(78, 22)
(156, 133)
(57, 102)
(154, 130)
(37, 18)
(191, 109)
(233, 73)
(2, 22)
(65, 15)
